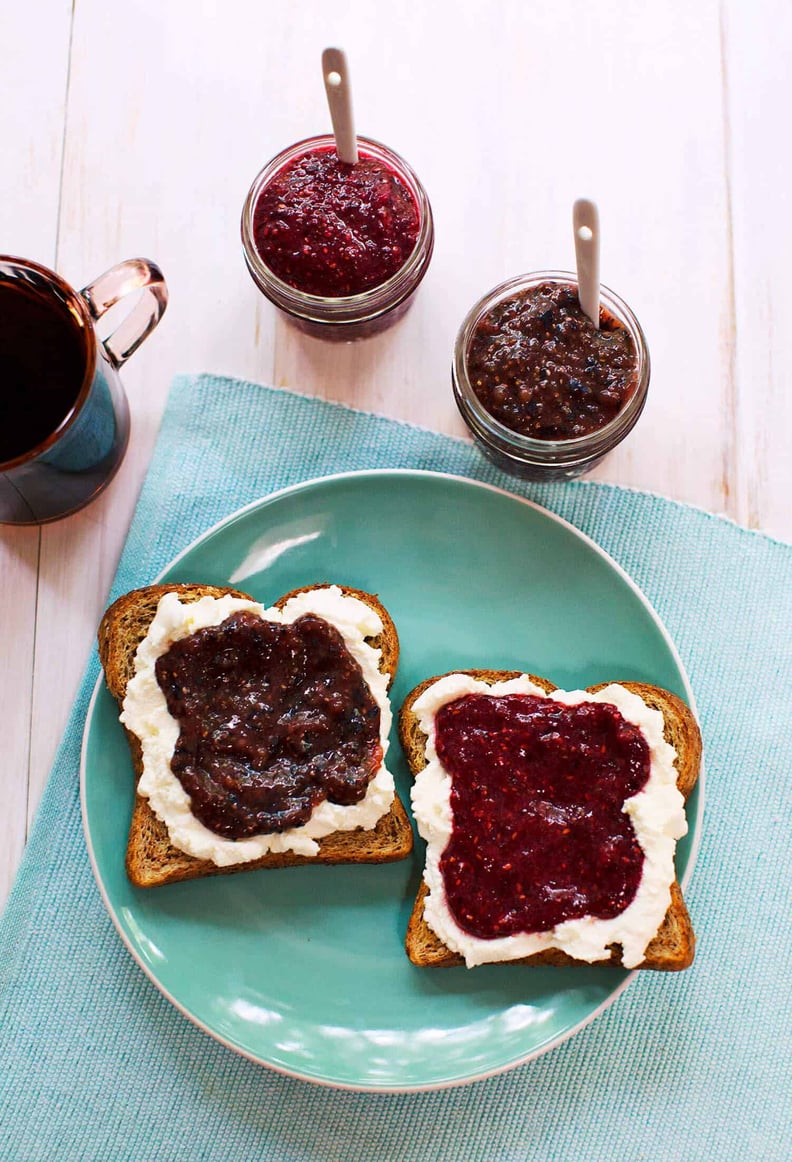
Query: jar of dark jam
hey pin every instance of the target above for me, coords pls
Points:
(546, 394)
(340, 249)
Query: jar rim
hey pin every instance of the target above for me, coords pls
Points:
(487, 427)
(374, 300)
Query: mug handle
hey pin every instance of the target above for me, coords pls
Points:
(115, 284)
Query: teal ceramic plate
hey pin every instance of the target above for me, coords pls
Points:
(304, 969)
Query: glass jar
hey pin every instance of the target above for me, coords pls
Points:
(355, 316)
(527, 456)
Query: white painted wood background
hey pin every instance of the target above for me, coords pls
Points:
(135, 128)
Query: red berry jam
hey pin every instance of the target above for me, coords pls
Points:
(273, 720)
(539, 835)
(332, 229)
(538, 364)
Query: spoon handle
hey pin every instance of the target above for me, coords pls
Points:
(339, 98)
(585, 222)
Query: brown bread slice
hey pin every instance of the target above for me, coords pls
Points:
(151, 858)
(673, 948)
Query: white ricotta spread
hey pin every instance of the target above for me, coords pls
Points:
(657, 813)
(145, 713)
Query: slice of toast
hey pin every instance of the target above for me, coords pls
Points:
(673, 947)
(151, 858)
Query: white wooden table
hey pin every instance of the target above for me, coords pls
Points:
(134, 128)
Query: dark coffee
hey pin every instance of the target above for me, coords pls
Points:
(43, 354)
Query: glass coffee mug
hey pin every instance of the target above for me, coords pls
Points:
(64, 418)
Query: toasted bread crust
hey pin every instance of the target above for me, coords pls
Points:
(673, 948)
(151, 859)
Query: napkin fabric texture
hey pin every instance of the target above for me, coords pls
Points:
(96, 1064)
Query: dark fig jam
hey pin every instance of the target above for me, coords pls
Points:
(332, 229)
(537, 790)
(273, 720)
(540, 367)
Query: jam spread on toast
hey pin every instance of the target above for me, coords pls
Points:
(273, 720)
(538, 364)
(537, 793)
(332, 229)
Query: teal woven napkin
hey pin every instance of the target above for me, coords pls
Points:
(97, 1065)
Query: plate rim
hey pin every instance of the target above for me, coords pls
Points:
(695, 825)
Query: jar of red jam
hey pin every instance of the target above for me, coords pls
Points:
(341, 249)
(545, 393)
